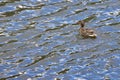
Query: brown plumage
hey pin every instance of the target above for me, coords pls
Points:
(85, 32)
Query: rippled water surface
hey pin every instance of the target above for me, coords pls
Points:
(40, 40)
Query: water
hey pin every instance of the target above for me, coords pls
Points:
(40, 40)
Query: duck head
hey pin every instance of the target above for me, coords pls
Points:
(81, 23)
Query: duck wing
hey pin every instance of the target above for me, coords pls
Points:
(85, 32)
(89, 31)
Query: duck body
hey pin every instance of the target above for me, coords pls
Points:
(85, 32)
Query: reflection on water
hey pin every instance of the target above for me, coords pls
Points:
(39, 39)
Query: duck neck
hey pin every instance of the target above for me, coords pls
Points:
(82, 24)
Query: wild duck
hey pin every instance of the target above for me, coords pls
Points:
(85, 32)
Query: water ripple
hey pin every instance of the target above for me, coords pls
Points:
(39, 39)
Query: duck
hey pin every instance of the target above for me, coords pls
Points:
(85, 32)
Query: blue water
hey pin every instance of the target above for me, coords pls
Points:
(40, 40)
